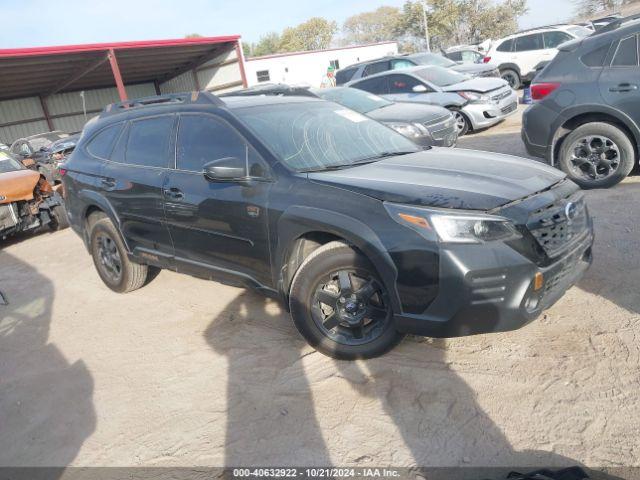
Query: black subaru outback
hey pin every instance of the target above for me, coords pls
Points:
(362, 234)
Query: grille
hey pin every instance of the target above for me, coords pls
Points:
(509, 108)
(441, 127)
(553, 229)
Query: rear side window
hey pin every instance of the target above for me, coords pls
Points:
(148, 143)
(595, 58)
(527, 43)
(374, 85)
(627, 53)
(402, 83)
(553, 39)
(376, 68)
(505, 46)
(343, 76)
(101, 145)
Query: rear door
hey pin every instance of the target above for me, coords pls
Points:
(620, 81)
(132, 181)
(218, 224)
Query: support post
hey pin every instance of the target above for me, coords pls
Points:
(196, 82)
(117, 76)
(240, 56)
(45, 111)
(156, 85)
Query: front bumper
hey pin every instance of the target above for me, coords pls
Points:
(484, 115)
(485, 289)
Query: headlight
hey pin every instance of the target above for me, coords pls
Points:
(410, 130)
(439, 225)
(474, 97)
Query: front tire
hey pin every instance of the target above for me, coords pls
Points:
(463, 125)
(596, 155)
(340, 305)
(59, 219)
(110, 258)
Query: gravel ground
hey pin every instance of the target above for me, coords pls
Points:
(188, 372)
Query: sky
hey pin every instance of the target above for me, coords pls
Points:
(66, 22)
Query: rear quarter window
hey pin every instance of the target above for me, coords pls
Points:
(505, 46)
(101, 144)
(627, 53)
(595, 58)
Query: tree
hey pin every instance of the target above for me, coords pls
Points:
(314, 34)
(267, 45)
(587, 8)
(193, 35)
(453, 22)
(369, 27)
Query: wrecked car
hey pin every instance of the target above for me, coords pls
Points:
(27, 200)
(50, 159)
(31, 151)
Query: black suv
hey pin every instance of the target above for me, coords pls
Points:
(362, 234)
(586, 115)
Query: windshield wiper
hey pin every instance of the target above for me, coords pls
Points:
(364, 161)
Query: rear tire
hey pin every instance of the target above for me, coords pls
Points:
(511, 77)
(359, 327)
(110, 258)
(59, 219)
(597, 155)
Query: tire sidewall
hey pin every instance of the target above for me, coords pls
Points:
(467, 128)
(509, 71)
(105, 226)
(300, 298)
(627, 153)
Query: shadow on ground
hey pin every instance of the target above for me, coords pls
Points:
(272, 418)
(46, 407)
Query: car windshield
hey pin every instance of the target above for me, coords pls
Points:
(352, 98)
(579, 32)
(44, 140)
(432, 59)
(442, 77)
(8, 164)
(314, 136)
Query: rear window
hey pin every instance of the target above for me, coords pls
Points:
(148, 143)
(626, 54)
(343, 76)
(102, 144)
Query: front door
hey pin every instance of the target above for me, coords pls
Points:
(217, 225)
(132, 182)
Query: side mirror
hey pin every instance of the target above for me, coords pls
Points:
(226, 169)
(419, 89)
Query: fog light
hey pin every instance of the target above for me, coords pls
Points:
(538, 281)
(532, 303)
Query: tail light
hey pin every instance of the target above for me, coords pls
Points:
(62, 171)
(486, 59)
(541, 90)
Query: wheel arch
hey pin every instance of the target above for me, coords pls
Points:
(95, 202)
(589, 114)
(301, 230)
(510, 66)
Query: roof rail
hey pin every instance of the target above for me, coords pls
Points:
(539, 28)
(614, 25)
(202, 97)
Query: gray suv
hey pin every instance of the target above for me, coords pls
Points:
(585, 118)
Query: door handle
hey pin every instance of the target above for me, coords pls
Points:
(108, 182)
(173, 193)
(624, 87)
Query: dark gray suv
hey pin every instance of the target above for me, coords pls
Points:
(585, 118)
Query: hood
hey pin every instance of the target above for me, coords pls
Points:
(482, 85)
(18, 185)
(446, 178)
(408, 112)
(474, 68)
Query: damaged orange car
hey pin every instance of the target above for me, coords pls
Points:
(27, 200)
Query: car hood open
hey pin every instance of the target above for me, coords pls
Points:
(17, 185)
(446, 178)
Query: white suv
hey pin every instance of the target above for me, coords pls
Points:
(518, 55)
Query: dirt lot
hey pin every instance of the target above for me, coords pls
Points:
(189, 372)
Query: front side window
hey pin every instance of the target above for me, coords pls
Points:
(627, 53)
(148, 143)
(202, 139)
(402, 83)
(527, 43)
(376, 68)
(553, 39)
(310, 136)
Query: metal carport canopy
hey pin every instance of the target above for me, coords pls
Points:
(45, 71)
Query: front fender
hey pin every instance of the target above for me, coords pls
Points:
(297, 221)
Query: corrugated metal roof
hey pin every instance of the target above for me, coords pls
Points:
(46, 70)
